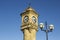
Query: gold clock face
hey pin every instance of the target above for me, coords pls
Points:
(26, 18)
(34, 19)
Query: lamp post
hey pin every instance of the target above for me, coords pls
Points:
(47, 30)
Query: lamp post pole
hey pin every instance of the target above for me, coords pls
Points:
(47, 30)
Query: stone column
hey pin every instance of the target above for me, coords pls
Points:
(29, 34)
(33, 34)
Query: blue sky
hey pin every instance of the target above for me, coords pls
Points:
(10, 19)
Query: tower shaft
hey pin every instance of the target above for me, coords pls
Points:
(30, 34)
(29, 24)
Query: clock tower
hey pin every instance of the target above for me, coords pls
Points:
(29, 25)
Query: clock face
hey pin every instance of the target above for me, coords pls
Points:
(34, 19)
(26, 18)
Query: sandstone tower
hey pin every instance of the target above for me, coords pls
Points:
(29, 23)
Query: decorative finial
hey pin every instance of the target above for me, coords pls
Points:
(29, 4)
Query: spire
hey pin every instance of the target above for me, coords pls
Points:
(29, 7)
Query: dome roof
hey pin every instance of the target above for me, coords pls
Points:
(30, 8)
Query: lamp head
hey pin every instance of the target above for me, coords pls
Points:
(51, 27)
(41, 25)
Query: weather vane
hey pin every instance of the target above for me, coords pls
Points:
(29, 4)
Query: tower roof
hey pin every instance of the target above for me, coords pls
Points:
(28, 10)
